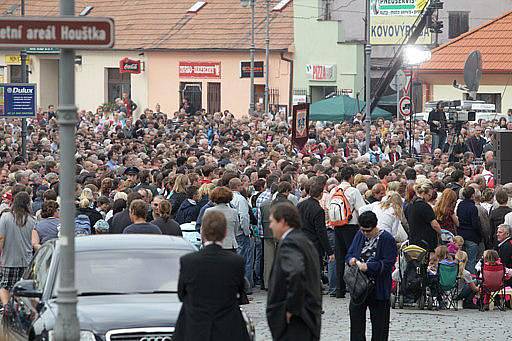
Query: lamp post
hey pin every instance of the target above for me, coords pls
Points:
(414, 56)
(251, 3)
(267, 50)
(368, 57)
(24, 79)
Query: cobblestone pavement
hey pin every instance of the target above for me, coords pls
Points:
(406, 324)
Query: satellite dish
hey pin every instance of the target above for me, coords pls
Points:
(473, 72)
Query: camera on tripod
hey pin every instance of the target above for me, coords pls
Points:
(458, 111)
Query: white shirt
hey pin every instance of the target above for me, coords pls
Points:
(386, 218)
(286, 233)
(355, 199)
(508, 219)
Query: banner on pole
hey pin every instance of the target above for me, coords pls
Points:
(300, 127)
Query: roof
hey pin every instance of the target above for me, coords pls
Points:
(493, 39)
(167, 25)
(130, 242)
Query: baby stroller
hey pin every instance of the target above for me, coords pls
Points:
(412, 274)
(446, 237)
(493, 285)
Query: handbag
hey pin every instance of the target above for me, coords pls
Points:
(359, 285)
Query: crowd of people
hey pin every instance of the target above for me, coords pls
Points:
(152, 172)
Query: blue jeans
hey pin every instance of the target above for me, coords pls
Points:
(472, 251)
(331, 265)
(246, 250)
(258, 261)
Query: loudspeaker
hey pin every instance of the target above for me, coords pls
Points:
(503, 148)
(503, 156)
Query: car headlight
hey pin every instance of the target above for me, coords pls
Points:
(85, 335)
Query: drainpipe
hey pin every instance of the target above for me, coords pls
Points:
(290, 90)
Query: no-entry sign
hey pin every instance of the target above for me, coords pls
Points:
(405, 105)
(58, 32)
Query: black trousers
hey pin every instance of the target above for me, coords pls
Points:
(343, 239)
(379, 316)
(297, 330)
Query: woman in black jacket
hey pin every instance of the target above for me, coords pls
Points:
(469, 226)
(163, 220)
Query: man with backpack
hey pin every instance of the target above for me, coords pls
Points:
(343, 217)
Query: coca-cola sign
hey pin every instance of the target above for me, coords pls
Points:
(127, 65)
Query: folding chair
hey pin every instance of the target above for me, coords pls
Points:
(448, 274)
(493, 285)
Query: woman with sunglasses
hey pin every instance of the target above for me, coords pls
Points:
(374, 252)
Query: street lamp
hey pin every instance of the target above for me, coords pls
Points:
(414, 56)
(252, 3)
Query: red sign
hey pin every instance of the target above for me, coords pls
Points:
(129, 66)
(199, 69)
(59, 32)
(405, 105)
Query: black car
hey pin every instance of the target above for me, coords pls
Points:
(127, 290)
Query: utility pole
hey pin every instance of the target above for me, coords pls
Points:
(24, 79)
(368, 55)
(253, 47)
(267, 51)
(67, 326)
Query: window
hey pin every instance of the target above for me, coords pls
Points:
(15, 73)
(324, 9)
(196, 7)
(281, 5)
(117, 83)
(458, 22)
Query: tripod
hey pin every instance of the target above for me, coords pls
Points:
(457, 128)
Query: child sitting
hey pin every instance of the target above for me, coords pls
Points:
(467, 284)
(490, 258)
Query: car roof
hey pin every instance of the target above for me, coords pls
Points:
(111, 242)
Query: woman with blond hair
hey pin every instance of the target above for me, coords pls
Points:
(86, 207)
(389, 213)
(424, 230)
(179, 192)
(445, 211)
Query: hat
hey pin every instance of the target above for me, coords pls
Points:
(101, 226)
(131, 171)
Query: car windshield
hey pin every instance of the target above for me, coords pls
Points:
(126, 272)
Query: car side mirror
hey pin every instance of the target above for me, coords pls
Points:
(26, 288)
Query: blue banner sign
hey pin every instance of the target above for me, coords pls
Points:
(18, 100)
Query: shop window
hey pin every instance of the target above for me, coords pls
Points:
(458, 22)
(117, 83)
(15, 73)
(213, 98)
(192, 92)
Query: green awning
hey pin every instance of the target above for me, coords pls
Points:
(340, 108)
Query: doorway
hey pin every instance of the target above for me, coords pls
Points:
(193, 92)
(213, 98)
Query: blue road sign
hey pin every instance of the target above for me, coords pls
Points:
(18, 100)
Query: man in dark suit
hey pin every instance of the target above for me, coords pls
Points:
(294, 304)
(122, 220)
(313, 218)
(211, 287)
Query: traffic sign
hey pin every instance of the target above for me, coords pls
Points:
(399, 81)
(57, 32)
(405, 106)
(18, 100)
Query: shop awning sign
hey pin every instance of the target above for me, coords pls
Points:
(194, 69)
(324, 72)
(57, 32)
(18, 100)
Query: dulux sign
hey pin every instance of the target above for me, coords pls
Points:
(18, 100)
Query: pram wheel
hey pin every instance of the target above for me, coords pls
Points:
(430, 303)
(392, 299)
(401, 301)
(421, 302)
